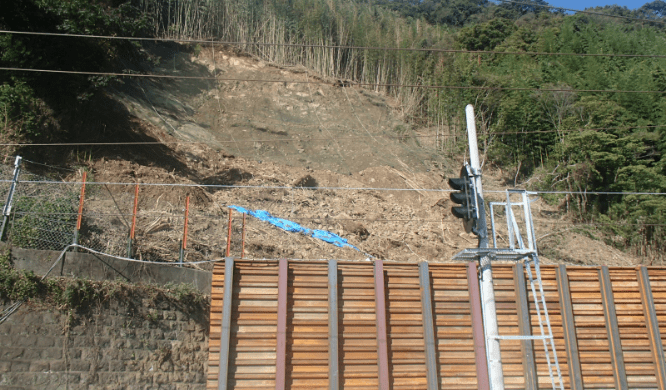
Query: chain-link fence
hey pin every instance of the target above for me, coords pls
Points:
(151, 224)
(148, 222)
(43, 213)
(143, 222)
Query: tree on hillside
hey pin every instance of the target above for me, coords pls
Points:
(653, 10)
(24, 97)
(522, 7)
(447, 12)
(486, 36)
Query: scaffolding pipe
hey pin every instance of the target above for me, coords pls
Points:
(487, 291)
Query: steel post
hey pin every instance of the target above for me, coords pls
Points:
(10, 197)
(281, 336)
(482, 377)
(487, 290)
(428, 327)
(225, 326)
(380, 317)
(333, 339)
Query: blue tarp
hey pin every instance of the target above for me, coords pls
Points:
(296, 228)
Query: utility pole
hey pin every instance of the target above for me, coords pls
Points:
(487, 291)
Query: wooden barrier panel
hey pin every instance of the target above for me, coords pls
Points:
(608, 326)
(252, 355)
(358, 328)
(307, 326)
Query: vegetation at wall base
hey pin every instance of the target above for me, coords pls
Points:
(77, 295)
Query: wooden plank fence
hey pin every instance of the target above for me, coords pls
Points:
(380, 325)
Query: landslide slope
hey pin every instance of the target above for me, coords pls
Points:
(318, 144)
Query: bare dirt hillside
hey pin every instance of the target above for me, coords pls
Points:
(318, 143)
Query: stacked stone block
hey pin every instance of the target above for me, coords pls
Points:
(136, 345)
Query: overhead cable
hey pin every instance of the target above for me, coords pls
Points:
(325, 220)
(583, 12)
(343, 47)
(190, 185)
(374, 85)
(398, 137)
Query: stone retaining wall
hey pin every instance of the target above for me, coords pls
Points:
(137, 344)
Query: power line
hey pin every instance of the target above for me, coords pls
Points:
(583, 12)
(184, 185)
(297, 139)
(343, 47)
(326, 221)
(374, 85)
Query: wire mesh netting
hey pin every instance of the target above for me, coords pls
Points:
(139, 221)
(6, 173)
(43, 213)
(107, 217)
(148, 223)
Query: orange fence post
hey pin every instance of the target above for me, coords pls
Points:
(133, 228)
(80, 215)
(243, 239)
(229, 235)
(184, 241)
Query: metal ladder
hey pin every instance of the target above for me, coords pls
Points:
(525, 251)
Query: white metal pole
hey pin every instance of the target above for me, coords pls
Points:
(473, 148)
(487, 290)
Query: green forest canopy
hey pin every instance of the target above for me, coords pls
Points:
(537, 113)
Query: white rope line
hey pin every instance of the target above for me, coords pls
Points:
(332, 188)
(137, 260)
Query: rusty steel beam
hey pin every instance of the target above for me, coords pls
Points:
(608, 303)
(380, 315)
(281, 347)
(570, 339)
(652, 324)
(428, 327)
(225, 332)
(333, 345)
(483, 380)
(525, 328)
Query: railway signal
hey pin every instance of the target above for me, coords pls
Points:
(465, 196)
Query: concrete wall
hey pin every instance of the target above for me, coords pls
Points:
(98, 267)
